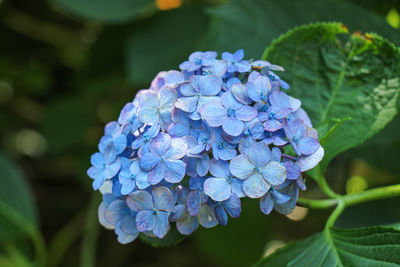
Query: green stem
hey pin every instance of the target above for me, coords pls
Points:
(348, 200)
(326, 188)
(335, 214)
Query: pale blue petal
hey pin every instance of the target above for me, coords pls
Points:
(145, 220)
(116, 211)
(240, 167)
(148, 115)
(167, 97)
(206, 217)
(276, 154)
(98, 160)
(149, 161)
(140, 200)
(240, 93)
(259, 154)
(142, 180)
(237, 187)
(232, 126)
(246, 113)
(228, 101)
(187, 104)
(308, 162)
(101, 216)
(160, 144)
(178, 130)
(174, 171)
(218, 189)
(161, 226)
(203, 165)
(213, 113)
(187, 225)
(266, 204)
(274, 173)
(255, 186)
(157, 174)
(112, 169)
(187, 90)
(308, 145)
(209, 85)
(120, 143)
(163, 199)
(219, 168)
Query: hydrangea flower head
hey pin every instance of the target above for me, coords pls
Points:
(185, 151)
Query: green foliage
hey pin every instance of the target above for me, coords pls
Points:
(17, 208)
(167, 39)
(372, 246)
(171, 239)
(337, 74)
(105, 10)
(252, 24)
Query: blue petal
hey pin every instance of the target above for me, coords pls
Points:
(266, 204)
(163, 199)
(209, 85)
(233, 206)
(149, 161)
(112, 169)
(148, 115)
(308, 162)
(213, 113)
(206, 217)
(145, 220)
(241, 167)
(259, 154)
(167, 97)
(187, 104)
(187, 225)
(101, 216)
(178, 130)
(203, 165)
(116, 211)
(219, 168)
(255, 186)
(308, 145)
(232, 126)
(98, 160)
(218, 189)
(274, 173)
(140, 200)
(160, 144)
(162, 225)
(221, 215)
(237, 187)
(174, 171)
(194, 202)
(124, 230)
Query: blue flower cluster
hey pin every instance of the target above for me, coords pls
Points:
(186, 150)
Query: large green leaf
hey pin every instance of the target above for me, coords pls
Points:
(16, 202)
(252, 24)
(336, 74)
(104, 10)
(163, 42)
(372, 246)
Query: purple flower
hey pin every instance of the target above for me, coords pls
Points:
(235, 61)
(197, 60)
(200, 91)
(257, 170)
(276, 138)
(196, 196)
(283, 198)
(222, 184)
(296, 132)
(279, 109)
(162, 161)
(105, 166)
(253, 130)
(183, 126)
(152, 209)
(155, 107)
(228, 113)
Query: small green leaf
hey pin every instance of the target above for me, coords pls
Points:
(17, 208)
(172, 238)
(336, 74)
(104, 10)
(371, 246)
(164, 42)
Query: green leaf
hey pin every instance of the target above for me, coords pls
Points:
(336, 74)
(323, 128)
(104, 10)
(382, 150)
(252, 24)
(172, 238)
(164, 42)
(16, 202)
(371, 246)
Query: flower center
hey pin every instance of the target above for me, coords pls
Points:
(229, 179)
(146, 137)
(272, 78)
(231, 112)
(198, 61)
(154, 211)
(258, 170)
(221, 145)
(271, 115)
(296, 139)
(204, 139)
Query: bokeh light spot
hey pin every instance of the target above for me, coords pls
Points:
(356, 184)
(298, 214)
(168, 4)
(30, 143)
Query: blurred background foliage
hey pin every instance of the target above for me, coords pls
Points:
(68, 66)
